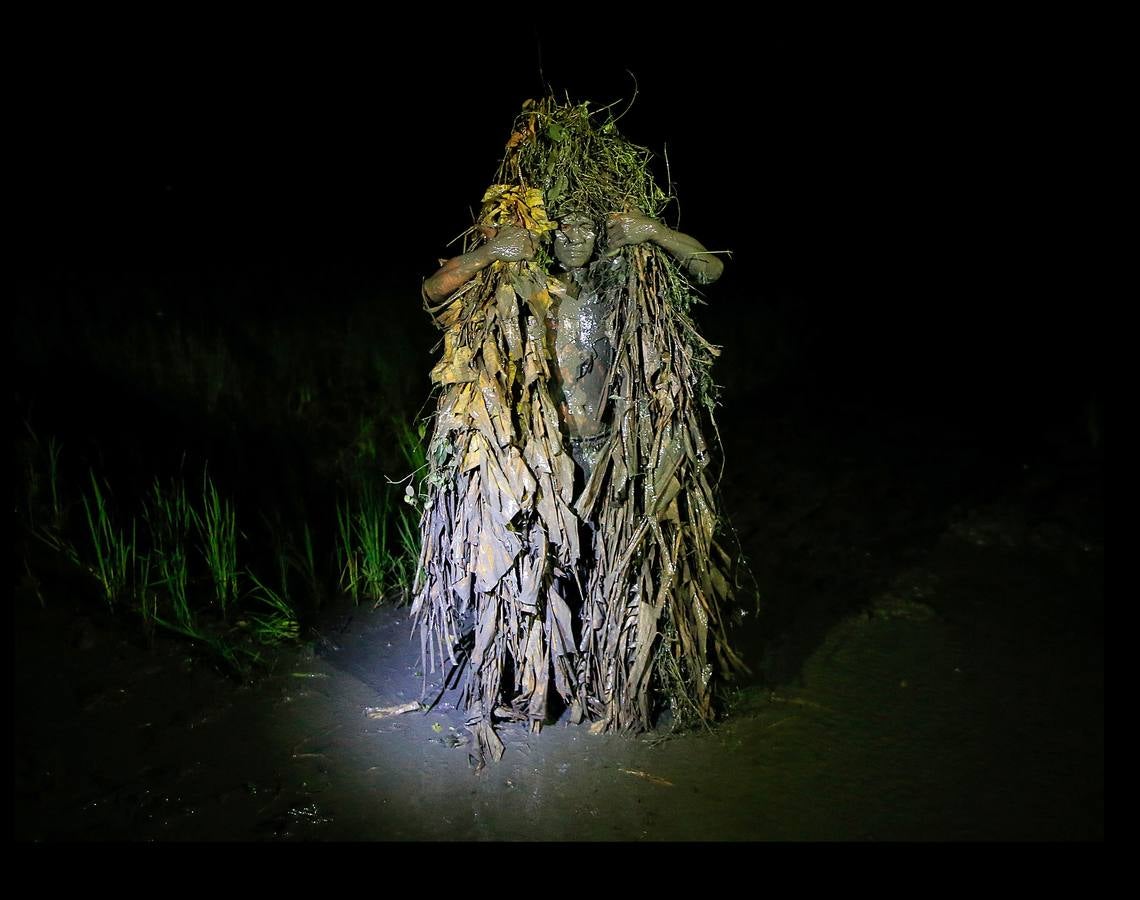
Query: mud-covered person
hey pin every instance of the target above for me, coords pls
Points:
(579, 314)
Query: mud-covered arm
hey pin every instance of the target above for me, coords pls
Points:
(508, 244)
(624, 229)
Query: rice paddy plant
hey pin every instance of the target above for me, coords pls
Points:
(277, 625)
(146, 598)
(115, 552)
(170, 518)
(175, 569)
(306, 561)
(364, 445)
(292, 558)
(217, 528)
(31, 462)
(372, 545)
(239, 658)
(301, 559)
(405, 562)
(377, 542)
(371, 532)
(54, 450)
(37, 465)
(283, 564)
(348, 560)
(411, 444)
(283, 573)
(57, 542)
(406, 558)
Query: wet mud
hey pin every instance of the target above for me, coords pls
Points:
(927, 665)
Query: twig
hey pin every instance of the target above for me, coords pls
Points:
(383, 712)
(647, 777)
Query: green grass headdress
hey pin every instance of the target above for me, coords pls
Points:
(576, 163)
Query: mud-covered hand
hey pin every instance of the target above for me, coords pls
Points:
(512, 244)
(624, 229)
(508, 243)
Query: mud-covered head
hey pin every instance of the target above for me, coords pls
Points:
(581, 164)
(575, 238)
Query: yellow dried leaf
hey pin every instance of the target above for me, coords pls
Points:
(540, 303)
(506, 204)
(495, 191)
(450, 316)
(454, 368)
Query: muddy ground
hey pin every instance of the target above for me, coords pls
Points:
(927, 665)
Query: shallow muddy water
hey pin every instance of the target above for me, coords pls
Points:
(935, 677)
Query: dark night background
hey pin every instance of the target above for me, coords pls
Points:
(903, 309)
(905, 195)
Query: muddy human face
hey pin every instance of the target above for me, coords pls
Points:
(574, 240)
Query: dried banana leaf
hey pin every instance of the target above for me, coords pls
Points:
(612, 597)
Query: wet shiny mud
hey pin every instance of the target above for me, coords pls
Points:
(927, 665)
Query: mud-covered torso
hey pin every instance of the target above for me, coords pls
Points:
(580, 323)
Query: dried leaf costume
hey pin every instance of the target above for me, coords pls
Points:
(611, 592)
